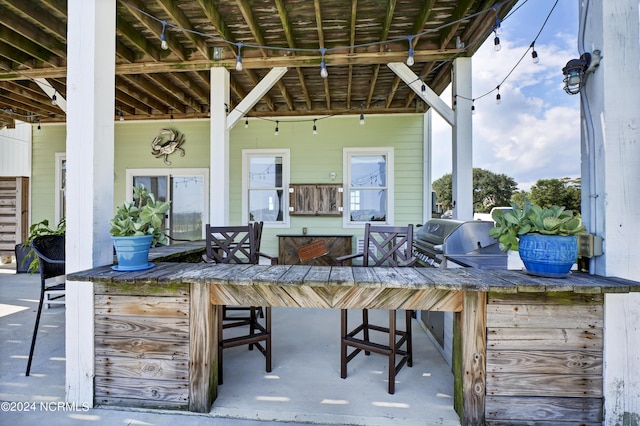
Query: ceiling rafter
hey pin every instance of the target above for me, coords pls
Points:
(36, 14)
(34, 34)
(136, 38)
(461, 10)
(191, 87)
(165, 84)
(181, 20)
(124, 52)
(132, 89)
(27, 46)
(26, 97)
(352, 43)
(165, 102)
(122, 97)
(386, 25)
(15, 55)
(424, 72)
(59, 6)
(318, 12)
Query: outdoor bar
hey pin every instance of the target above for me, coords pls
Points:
(520, 341)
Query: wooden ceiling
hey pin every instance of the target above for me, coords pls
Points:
(361, 37)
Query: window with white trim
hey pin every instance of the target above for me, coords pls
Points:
(61, 186)
(265, 178)
(368, 185)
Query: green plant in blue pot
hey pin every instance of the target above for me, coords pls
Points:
(545, 238)
(136, 227)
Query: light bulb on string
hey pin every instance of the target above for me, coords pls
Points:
(473, 107)
(496, 44)
(315, 128)
(39, 125)
(362, 114)
(498, 97)
(410, 58)
(171, 117)
(323, 67)
(423, 89)
(276, 132)
(163, 38)
(246, 124)
(239, 60)
(121, 115)
(534, 54)
(54, 99)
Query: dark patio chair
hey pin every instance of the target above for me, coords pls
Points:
(383, 246)
(50, 252)
(238, 244)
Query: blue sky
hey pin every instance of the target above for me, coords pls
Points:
(535, 132)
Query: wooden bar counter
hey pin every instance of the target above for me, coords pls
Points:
(519, 340)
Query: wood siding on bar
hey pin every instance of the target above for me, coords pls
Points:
(544, 358)
(142, 345)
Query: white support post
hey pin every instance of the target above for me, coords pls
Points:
(462, 152)
(219, 173)
(610, 188)
(90, 153)
(427, 204)
(255, 95)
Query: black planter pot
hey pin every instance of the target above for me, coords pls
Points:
(23, 258)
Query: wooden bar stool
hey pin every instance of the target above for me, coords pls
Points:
(383, 246)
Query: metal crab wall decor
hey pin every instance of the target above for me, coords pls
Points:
(173, 143)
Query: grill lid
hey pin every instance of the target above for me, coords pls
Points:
(436, 230)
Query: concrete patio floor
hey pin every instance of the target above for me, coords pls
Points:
(304, 387)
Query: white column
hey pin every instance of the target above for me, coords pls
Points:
(427, 205)
(90, 133)
(610, 188)
(219, 143)
(462, 170)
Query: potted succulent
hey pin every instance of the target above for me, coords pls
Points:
(545, 238)
(26, 259)
(136, 227)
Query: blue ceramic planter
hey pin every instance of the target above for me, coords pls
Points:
(548, 255)
(132, 253)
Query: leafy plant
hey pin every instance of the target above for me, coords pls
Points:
(36, 230)
(142, 216)
(533, 219)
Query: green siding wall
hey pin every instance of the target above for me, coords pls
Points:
(313, 157)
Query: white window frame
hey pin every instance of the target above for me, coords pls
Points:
(247, 154)
(168, 173)
(60, 194)
(347, 153)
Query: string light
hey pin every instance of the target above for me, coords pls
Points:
(246, 124)
(121, 115)
(315, 128)
(410, 59)
(171, 116)
(39, 124)
(498, 97)
(496, 44)
(239, 60)
(361, 114)
(534, 54)
(323, 67)
(473, 107)
(276, 132)
(497, 28)
(423, 88)
(54, 98)
(163, 38)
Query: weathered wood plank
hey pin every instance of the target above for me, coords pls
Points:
(520, 384)
(536, 409)
(133, 347)
(534, 316)
(203, 345)
(556, 298)
(538, 423)
(150, 369)
(143, 289)
(102, 400)
(551, 362)
(171, 307)
(143, 389)
(544, 339)
(473, 357)
(125, 326)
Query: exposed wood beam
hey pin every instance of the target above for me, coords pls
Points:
(192, 87)
(170, 88)
(19, 106)
(318, 10)
(129, 87)
(286, 26)
(124, 52)
(34, 34)
(181, 20)
(335, 59)
(214, 16)
(136, 38)
(255, 95)
(36, 102)
(245, 9)
(125, 98)
(392, 93)
(352, 42)
(59, 6)
(27, 46)
(15, 55)
(156, 28)
(37, 14)
(166, 102)
(424, 73)
(388, 17)
(461, 10)
(429, 96)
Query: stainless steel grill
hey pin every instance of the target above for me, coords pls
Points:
(451, 243)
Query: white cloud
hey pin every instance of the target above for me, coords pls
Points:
(535, 132)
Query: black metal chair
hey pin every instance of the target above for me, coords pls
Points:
(50, 252)
(238, 244)
(383, 246)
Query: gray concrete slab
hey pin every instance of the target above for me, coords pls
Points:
(304, 387)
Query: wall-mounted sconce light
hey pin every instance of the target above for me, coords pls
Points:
(576, 71)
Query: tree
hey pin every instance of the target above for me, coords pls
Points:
(559, 192)
(519, 197)
(489, 190)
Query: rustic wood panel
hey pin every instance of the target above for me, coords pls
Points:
(139, 347)
(519, 384)
(537, 409)
(139, 388)
(534, 316)
(104, 400)
(203, 344)
(131, 326)
(315, 199)
(544, 338)
(148, 369)
(142, 289)
(473, 324)
(545, 362)
(177, 307)
(555, 298)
